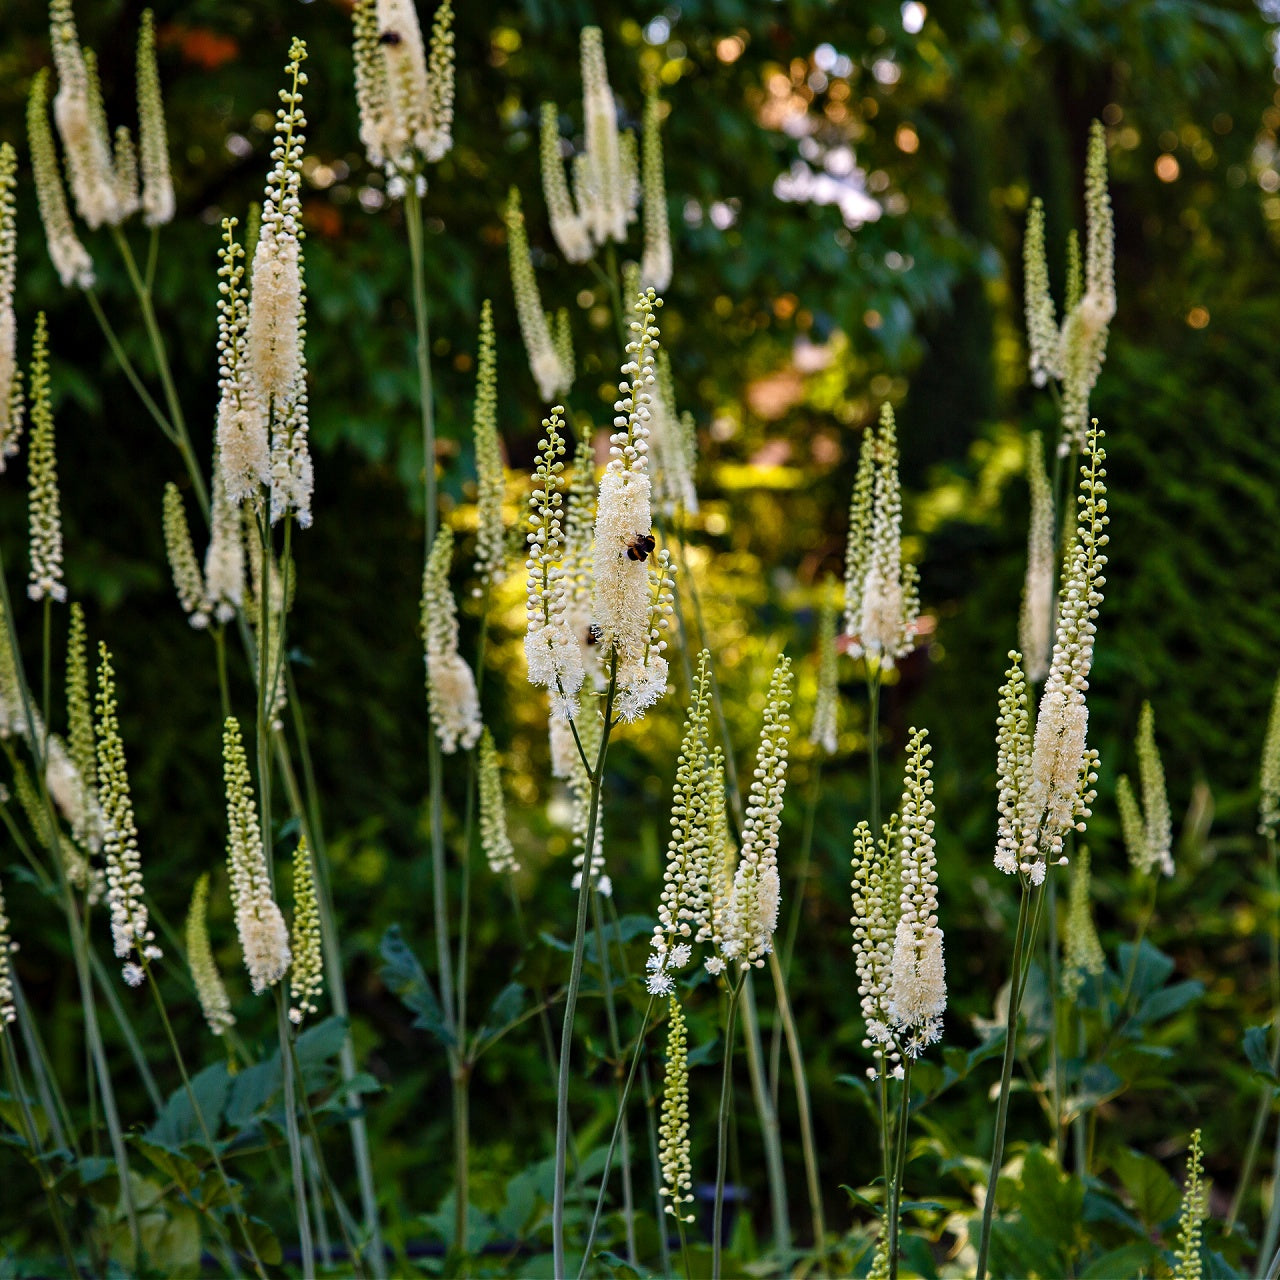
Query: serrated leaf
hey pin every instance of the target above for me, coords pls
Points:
(173, 1164)
(407, 979)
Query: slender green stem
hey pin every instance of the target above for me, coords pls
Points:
(575, 981)
(619, 1126)
(899, 1166)
(174, 405)
(722, 1128)
(31, 1136)
(224, 688)
(1078, 1124)
(205, 1132)
(108, 988)
(615, 1049)
(808, 1146)
(1006, 1074)
(796, 913)
(873, 746)
(308, 813)
(339, 1208)
(126, 366)
(684, 1248)
(770, 1132)
(648, 1098)
(417, 257)
(1272, 1229)
(1055, 998)
(294, 1136)
(55, 1105)
(615, 294)
(886, 1158)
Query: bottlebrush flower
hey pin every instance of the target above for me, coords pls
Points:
(306, 974)
(752, 912)
(153, 141)
(655, 264)
(685, 897)
(264, 938)
(1035, 625)
(451, 688)
(491, 483)
(605, 179)
(545, 361)
(881, 601)
(1269, 775)
(275, 331)
(1147, 829)
(551, 648)
(917, 972)
(1082, 951)
(224, 560)
(494, 840)
(11, 404)
(569, 230)
(187, 579)
(70, 258)
(82, 122)
(877, 905)
(1043, 337)
(673, 1129)
(130, 928)
(211, 991)
(44, 504)
(826, 708)
(8, 1011)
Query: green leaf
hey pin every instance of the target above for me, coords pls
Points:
(1051, 1201)
(178, 1123)
(1255, 1049)
(1128, 1260)
(172, 1164)
(11, 1114)
(1153, 968)
(1155, 1195)
(1162, 1004)
(504, 1012)
(407, 979)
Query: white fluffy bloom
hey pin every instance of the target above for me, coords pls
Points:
(545, 361)
(1036, 620)
(264, 936)
(551, 648)
(11, 407)
(751, 914)
(655, 264)
(275, 329)
(70, 258)
(82, 123)
(451, 687)
(917, 976)
(568, 228)
(881, 601)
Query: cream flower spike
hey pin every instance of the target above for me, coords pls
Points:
(491, 476)
(451, 687)
(211, 991)
(11, 402)
(82, 122)
(153, 140)
(264, 937)
(673, 1129)
(881, 598)
(655, 263)
(8, 1010)
(546, 362)
(685, 897)
(45, 504)
(917, 972)
(275, 330)
(404, 91)
(551, 649)
(306, 974)
(752, 912)
(131, 931)
(824, 731)
(1035, 625)
(70, 258)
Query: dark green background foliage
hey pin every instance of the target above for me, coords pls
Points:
(928, 301)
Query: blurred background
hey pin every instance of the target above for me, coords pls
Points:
(847, 186)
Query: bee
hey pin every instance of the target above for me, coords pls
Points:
(390, 37)
(641, 546)
(594, 633)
